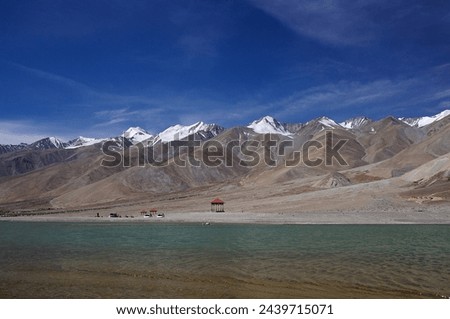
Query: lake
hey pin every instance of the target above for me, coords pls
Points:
(134, 260)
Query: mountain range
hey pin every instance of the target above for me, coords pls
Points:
(410, 156)
(264, 125)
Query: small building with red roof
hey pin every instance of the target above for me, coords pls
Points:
(217, 205)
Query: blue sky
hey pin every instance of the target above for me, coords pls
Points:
(94, 68)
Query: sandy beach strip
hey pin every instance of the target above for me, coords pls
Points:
(430, 215)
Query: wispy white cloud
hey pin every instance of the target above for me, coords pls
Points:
(426, 91)
(109, 114)
(351, 23)
(442, 94)
(332, 97)
(110, 117)
(444, 105)
(89, 96)
(113, 117)
(16, 132)
(329, 21)
(51, 77)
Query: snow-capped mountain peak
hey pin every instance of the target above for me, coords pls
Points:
(179, 132)
(83, 141)
(268, 124)
(323, 123)
(56, 142)
(136, 134)
(425, 120)
(355, 122)
(327, 122)
(318, 125)
(48, 143)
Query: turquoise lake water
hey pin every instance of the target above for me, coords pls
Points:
(131, 260)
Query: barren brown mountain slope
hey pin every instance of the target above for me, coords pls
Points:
(375, 155)
(383, 139)
(81, 168)
(430, 181)
(435, 144)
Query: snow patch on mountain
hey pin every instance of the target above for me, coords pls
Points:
(425, 120)
(205, 131)
(179, 132)
(83, 141)
(355, 122)
(137, 134)
(327, 122)
(268, 124)
(322, 123)
(48, 143)
(56, 142)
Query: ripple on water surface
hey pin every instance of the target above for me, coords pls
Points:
(183, 260)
